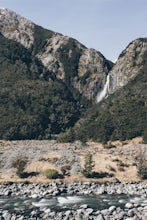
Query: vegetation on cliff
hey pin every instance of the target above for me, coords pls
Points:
(121, 116)
(34, 104)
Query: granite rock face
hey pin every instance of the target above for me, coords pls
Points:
(129, 64)
(81, 68)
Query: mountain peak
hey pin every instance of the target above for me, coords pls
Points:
(2, 8)
(129, 64)
(16, 27)
(6, 14)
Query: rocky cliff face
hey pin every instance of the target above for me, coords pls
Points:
(15, 27)
(81, 68)
(93, 69)
(85, 70)
(123, 115)
(129, 64)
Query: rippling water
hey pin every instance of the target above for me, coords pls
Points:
(62, 202)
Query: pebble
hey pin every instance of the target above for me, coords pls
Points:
(129, 205)
(112, 208)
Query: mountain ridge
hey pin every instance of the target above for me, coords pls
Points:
(60, 54)
(49, 81)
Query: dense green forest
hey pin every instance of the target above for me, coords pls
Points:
(34, 104)
(121, 116)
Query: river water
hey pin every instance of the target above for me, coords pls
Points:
(64, 202)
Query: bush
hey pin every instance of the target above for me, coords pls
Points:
(88, 166)
(67, 136)
(51, 173)
(20, 164)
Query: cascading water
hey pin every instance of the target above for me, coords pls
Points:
(101, 95)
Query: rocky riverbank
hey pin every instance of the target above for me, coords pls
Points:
(136, 209)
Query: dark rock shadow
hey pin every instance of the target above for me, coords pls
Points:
(101, 175)
(30, 174)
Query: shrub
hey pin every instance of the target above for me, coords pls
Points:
(20, 164)
(51, 173)
(67, 136)
(88, 166)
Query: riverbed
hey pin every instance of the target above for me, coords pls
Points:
(74, 201)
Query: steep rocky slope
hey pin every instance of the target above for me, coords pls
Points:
(123, 115)
(80, 68)
(130, 62)
(33, 102)
(15, 27)
(47, 79)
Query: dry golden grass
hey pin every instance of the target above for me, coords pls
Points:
(116, 160)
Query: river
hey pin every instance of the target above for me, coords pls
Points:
(70, 202)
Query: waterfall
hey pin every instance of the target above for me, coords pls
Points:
(102, 94)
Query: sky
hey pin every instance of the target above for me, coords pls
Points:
(105, 25)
